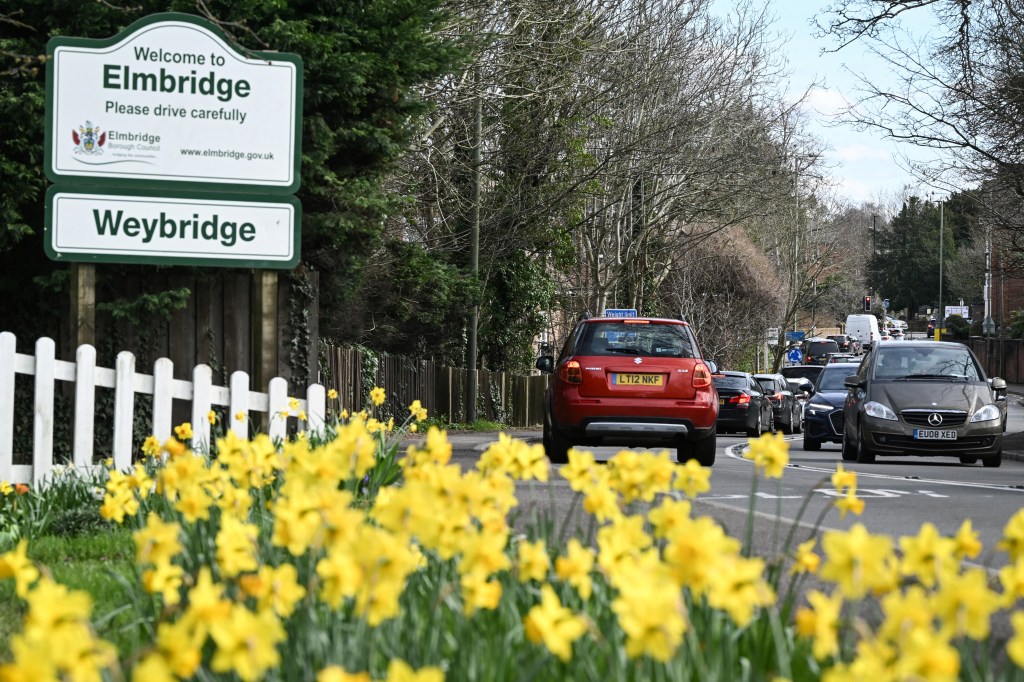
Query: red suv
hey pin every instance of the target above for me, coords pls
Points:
(634, 381)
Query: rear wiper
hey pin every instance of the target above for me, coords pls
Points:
(959, 377)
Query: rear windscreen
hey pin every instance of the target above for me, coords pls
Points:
(729, 382)
(823, 347)
(648, 340)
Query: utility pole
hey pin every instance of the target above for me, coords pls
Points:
(942, 230)
(474, 254)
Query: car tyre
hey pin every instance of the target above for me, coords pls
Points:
(865, 455)
(811, 444)
(556, 446)
(771, 421)
(702, 450)
(798, 420)
(789, 426)
(849, 451)
(756, 431)
(993, 461)
(968, 460)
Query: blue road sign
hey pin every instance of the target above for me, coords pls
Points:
(795, 336)
(620, 312)
(794, 356)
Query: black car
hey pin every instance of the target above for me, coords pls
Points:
(742, 405)
(846, 343)
(809, 372)
(823, 411)
(924, 398)
(816, 351)
(786, 407)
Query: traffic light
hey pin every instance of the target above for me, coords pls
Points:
(867, 304)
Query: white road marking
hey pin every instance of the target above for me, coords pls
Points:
(735, 452)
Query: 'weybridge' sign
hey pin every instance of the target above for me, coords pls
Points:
(168, 101)
(172, 228)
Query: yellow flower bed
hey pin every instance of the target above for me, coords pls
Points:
(267, 562)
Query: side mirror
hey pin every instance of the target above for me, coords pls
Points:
(546, 363)
(853, 382)
(998, 384)
(712, 366)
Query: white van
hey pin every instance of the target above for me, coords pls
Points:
(865, 328)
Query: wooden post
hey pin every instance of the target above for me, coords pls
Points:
(265, 328)
(83, 305)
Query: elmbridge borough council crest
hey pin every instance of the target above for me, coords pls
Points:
(88, 139)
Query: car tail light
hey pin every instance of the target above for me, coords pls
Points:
(740, 399)
(701, 376)
(571, 373)
(777, 396)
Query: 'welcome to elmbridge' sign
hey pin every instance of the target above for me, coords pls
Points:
(169, 101)
(170, 146)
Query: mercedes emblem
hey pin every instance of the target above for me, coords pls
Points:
(935, 419)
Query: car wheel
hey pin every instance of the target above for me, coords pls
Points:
(771, 421)
(968, 460)
(756, 431)
(849, 451)
(865, 455)
(811, 444)
(702, 450)
(787, 427)
(798, 420)
(993, 461)
(556, 446)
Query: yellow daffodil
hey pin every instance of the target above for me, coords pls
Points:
(738, 587)
(533, 561)
(650, 611)
(575, 567)
(158, 542)
(247, 643)
(183, 431)
(770, 454)
(335, 673)
(400, 671)
(669, 516)
(211, 417)
(965, 603)
(378, 396)
(926, 554)
(332, 394)
(966, 542)
(579, 470)
(1013, 536)
(151, 446)
(417, 411)
(479, 592)
(843, 479)
(16, 564)
(1015, 647)
(856, 561)
(692, 478)
(553, 624)
(850, 503)
(240, 416)
(821, 623)
(806, 560)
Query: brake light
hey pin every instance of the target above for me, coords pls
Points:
(571, 373)
(635, 321)
(740, 399)
(701, 376)
(777, 396)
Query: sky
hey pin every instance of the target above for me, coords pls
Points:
(865, 166)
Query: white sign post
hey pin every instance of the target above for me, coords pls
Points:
(168, 101)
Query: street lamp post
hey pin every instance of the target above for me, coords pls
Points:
(942, 230)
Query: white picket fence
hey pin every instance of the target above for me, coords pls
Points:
(126, 382)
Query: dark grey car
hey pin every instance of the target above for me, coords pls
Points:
(928, 398)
